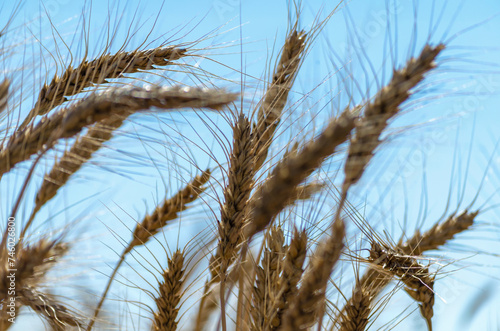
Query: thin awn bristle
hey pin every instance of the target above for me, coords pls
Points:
(97, 107)
(305, 306)
(384, 106)
(170, 293)
(274, 100)
(97, 71)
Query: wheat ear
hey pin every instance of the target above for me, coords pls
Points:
(439, 234)
(276, 95)
(305, 306)
(267, 282)
(153, 223)
(97, 71)
(97, 107)
(277, 191)
(293, 264)
(56, 314)
(384, 106)
(356, 311)
(419, 284)
(170, 294)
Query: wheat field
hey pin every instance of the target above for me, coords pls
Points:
(310, 166)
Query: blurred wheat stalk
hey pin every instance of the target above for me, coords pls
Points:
(282, 286)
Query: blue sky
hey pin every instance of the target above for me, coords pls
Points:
(439, 148)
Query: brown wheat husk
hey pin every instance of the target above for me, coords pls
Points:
(4, 94)
(97, 107)
(236, 194)
(308, 302)
(384, 106)
(279, 189)
(293, 264)
(98, 71)
(267, 283)
(275, 98)
(170, 294)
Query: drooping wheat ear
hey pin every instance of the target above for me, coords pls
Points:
(151, 224)
(305, 306)
(356, 311)
(292, 272)
(416, 277)
(439, 234)
(97, 107)
(276, 95)
(276, 192)
(267, 283)
(384, 106)
(98, 71)
(4, 94)
(56, 314)
(170, 293)
(236, 194)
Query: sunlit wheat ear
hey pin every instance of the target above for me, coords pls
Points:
(356, 311)
(293, 268)
(276, 95)
(416, 277)
(170, 293)
(97, 107)
(97, 71)
(4, 94)
(305, 307)
(31, 263)
(276, 192)
(58, 316)
(385, 105)
(267, 283)
(151, 224)
(439, 234)
(236, 193)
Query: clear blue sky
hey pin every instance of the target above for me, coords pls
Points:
(456, 116)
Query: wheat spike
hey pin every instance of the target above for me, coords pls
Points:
(303, 310)
(356, 311)
(97, 71)
(274, 100)
(384, 106)
(236, 195)
(97, 107)
(280, 188)
(170, 294)
(292, 272)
